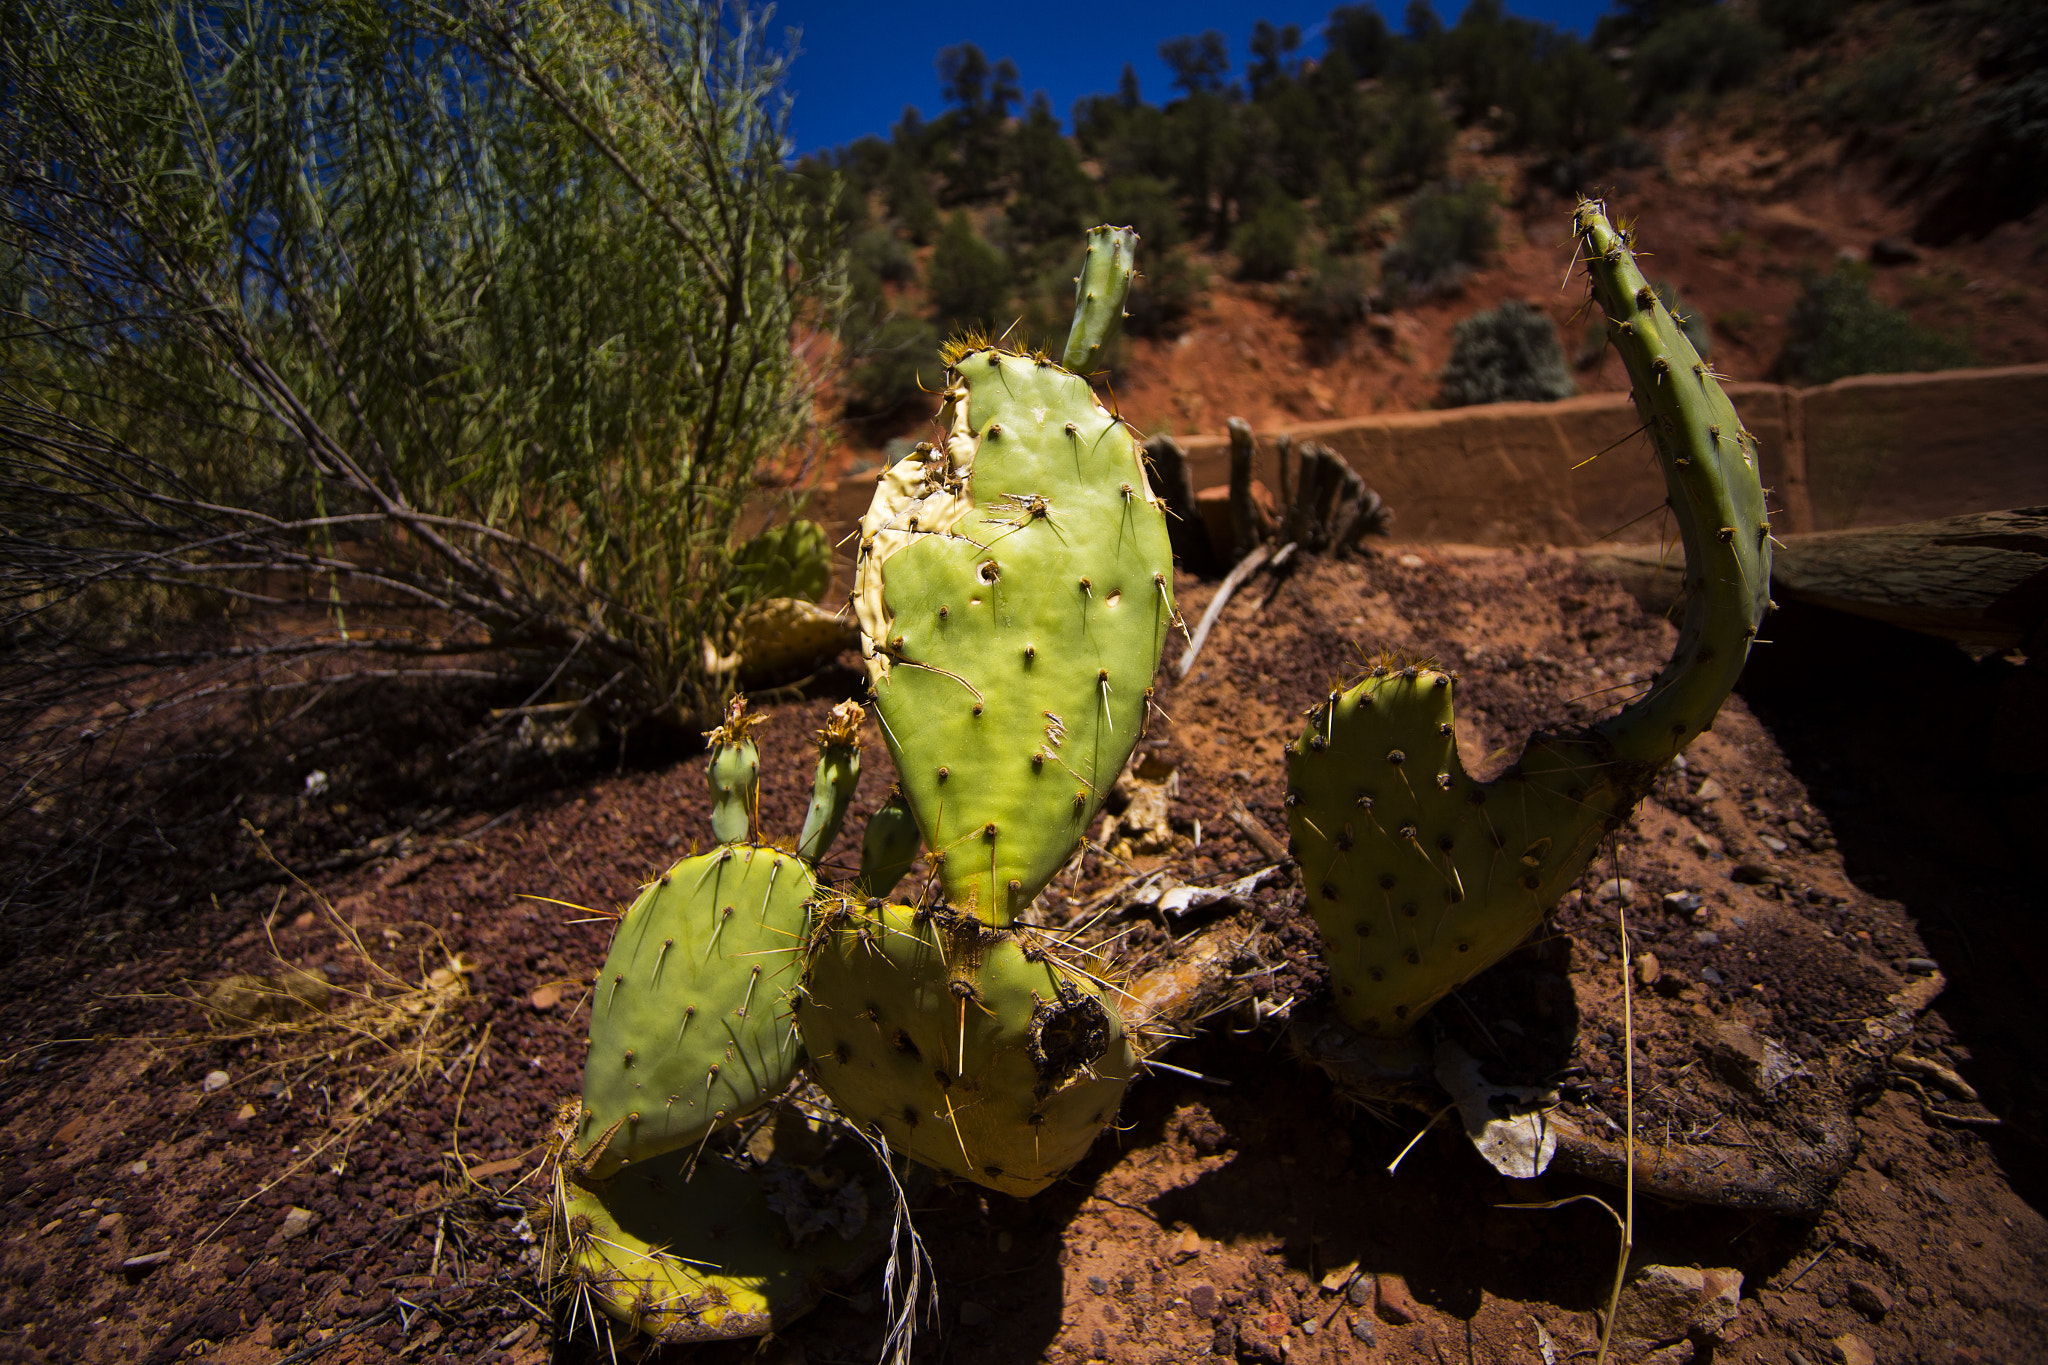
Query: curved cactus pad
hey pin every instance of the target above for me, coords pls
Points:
(690, 1020)
(1014, 593)
(966, 1049)
(1419, 877)
(721, 1252)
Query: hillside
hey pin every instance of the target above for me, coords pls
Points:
(1820, 170)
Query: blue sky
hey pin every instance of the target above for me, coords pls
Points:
(860, 64)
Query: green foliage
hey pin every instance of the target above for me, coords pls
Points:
(1839, 328)
(895, 370)
(1198, 63)
(1416, 146)
(1163, 296)
(1341, 209)
(1332, 297)
(1146, 203)
(1569, 103)
(1800, 22)
(968, 141)
(519, 294)
(1450, 228)
(1268, 242)
(793, 559)
(968, 280)
(1507, 354)
(1053, 198)
(1362, 36)
(1713, 50)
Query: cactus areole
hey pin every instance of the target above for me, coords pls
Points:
(1014, 590)
(1420, 877)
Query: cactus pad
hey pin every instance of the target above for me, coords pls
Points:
(967, 1049)
(1419, 877)
(1014, 593)
(716, 1252)
(690, 1021)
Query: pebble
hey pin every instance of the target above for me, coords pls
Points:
(1202, 1298)
(1706, 938)
(1773, 843)
(1187, 1246)
(1710, 789)
(1850, 1349)
(1097, 1285)
(138, 1168)
(1869, 1298)
(1922, 964)
(1710, 976)
(1308, 1327)
(1363, 1330)
(545, 998)
(297, 1223)
(1648, 969)
(1682, 902)
(1410, 561)
(1754, 874)
(1396, 1304)
(1698, 844)
(1797, 830)
(149, 1260)
(1359, 1292)
(1618, 889)
(215, 1080)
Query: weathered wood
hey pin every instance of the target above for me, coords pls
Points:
(1184, 524)
(1980, 579)
(1244, 517)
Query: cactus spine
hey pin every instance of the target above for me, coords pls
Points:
(1014, 591)
(1419, 877)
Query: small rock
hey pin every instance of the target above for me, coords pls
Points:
(1751, 874)
(245, 1113)
(1187, 1246)
(1698, 844)
(1617, 889)
(1097, 1285)
(1308, 1327)
(1869, 1298)
(1706, 938)
(1922, 964)
(1202, 1299)
(1363, 1330)
(545, 998)
(1893, 251)
(69, 1133)
(1664, 1303)
(1339, 1278)
(1677, 1353)
(1710, 790)
(1850, 1349)
(215, 1080)
(316, 783)
(1396, 1304)
(1682, 902)
(1773, 843)
(1797, 831)
(138, 1168)
(149, 1260)
(1710, 976)
(1648, 968)
(973, 1314)
(1410, 561)
(108, 1222)
(297, 1223)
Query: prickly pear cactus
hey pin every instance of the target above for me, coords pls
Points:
(888, 847)
(1014, 591)
(685, 1248)
(969, 1047)
(690, 1023)
(1419, 877)
(690, 1020)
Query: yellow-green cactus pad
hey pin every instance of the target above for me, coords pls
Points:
(966, 1046)
(720, 1252)
(1014, 594)
(690, 1022)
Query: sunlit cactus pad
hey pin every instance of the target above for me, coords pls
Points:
(970, 1048)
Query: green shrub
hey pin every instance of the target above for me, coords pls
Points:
(1506, 354)
(898, 364)
(1839, 328)
(1146, 203)
(1163, 295)
(968, 279)
(1416, 146)
(1268, 242)
(1714, 49)
(1341, 207)
(1332, 297)
(1450, 229)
